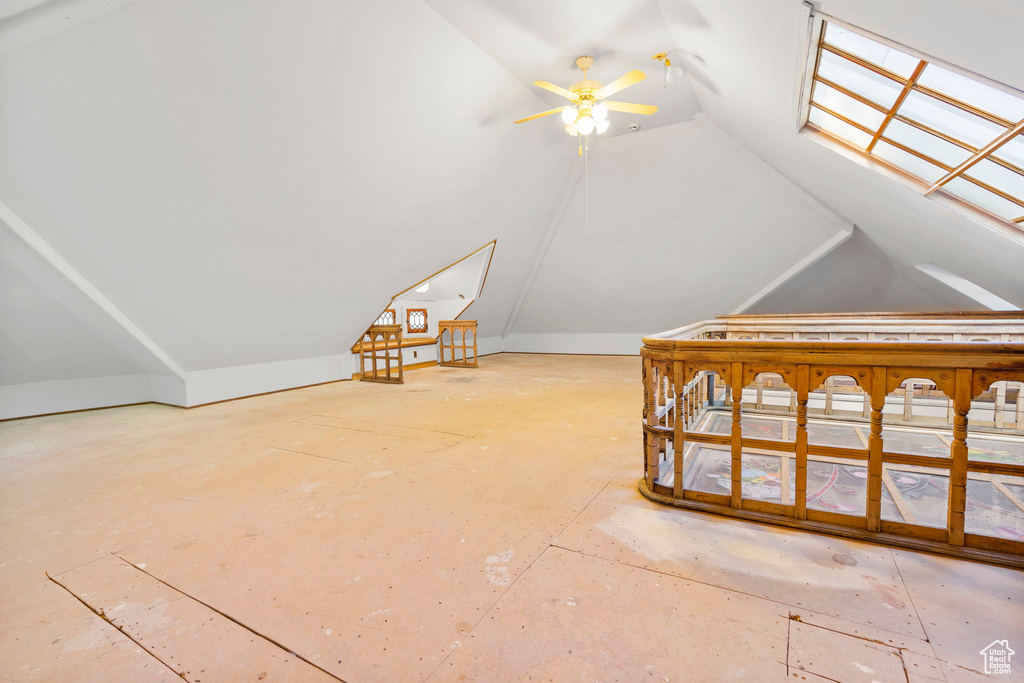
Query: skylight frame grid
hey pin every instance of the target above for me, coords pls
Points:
(908, 85)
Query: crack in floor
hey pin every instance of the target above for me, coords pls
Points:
(99, 613)
(212, 608)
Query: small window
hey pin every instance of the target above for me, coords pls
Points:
(956, 135)
(416, 320)
(386, 318)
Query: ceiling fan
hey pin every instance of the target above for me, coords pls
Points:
(589, 113)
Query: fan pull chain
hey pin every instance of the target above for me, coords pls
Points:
(586, 181)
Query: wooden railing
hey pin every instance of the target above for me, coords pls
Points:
(380, 354)
(456, 342)
(854, 425)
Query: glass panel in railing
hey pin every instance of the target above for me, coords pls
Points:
(769, 409)
(709, 470)
(994, 506)
(769, 477)
(916, 419)
(837, 485)
(920, 495)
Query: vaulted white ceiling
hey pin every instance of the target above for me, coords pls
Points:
(247, 183)
(746, 77)
(541, 40)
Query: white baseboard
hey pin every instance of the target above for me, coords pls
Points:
(595, 344)
(58, 396)
(221, 384)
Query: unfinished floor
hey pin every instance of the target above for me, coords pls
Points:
(468, 525)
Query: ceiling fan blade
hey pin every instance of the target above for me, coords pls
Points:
(557, 89)
(621, 83)
(549, 112)
(630, 108)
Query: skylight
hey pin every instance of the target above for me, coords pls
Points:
(958, 135)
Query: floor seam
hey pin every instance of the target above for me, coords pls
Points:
(899, 572)
(101, 615)
(733, 590)
(233, 620)
(488, 611)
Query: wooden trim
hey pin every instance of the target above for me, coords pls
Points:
(1014, 558)
(978, 156)
(859, 126)
(849, 93)
(907, 87)
(994, 190)
(408, 324)
(897, 497)
(839, 52)
(87, 410)
(407, 342)
(454, 263)
(964, 106)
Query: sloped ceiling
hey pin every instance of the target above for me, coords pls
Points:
(49, 329)
(252, 181)
(683, 224)
(745, 74)
(540, 40)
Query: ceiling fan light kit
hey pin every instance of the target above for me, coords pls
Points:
(672, 73)
(588, 112)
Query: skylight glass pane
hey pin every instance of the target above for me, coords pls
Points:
(972, 92)
(976, 194)
(1012, 151)
(999, 177)
(908, 162)
(856, 78)
(926, 143)
(845, 105)
(950, 120)
(840, 128)
(871, 50)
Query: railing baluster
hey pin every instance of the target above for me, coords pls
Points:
(651, 417)
(737, 435)
(680, 426)
(802, 386)
(874, 501)
(958, 451)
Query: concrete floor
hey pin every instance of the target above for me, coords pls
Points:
(471, 524)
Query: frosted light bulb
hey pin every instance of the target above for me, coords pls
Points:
(569, 115)
(673, 74)
(601, 126)
(600, 113)
(570, 128)
(585, 125)
(423, 288)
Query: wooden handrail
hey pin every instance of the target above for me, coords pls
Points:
(933, 350)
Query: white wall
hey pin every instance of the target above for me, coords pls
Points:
(684, 225)
(219, 172)
(858, 276)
